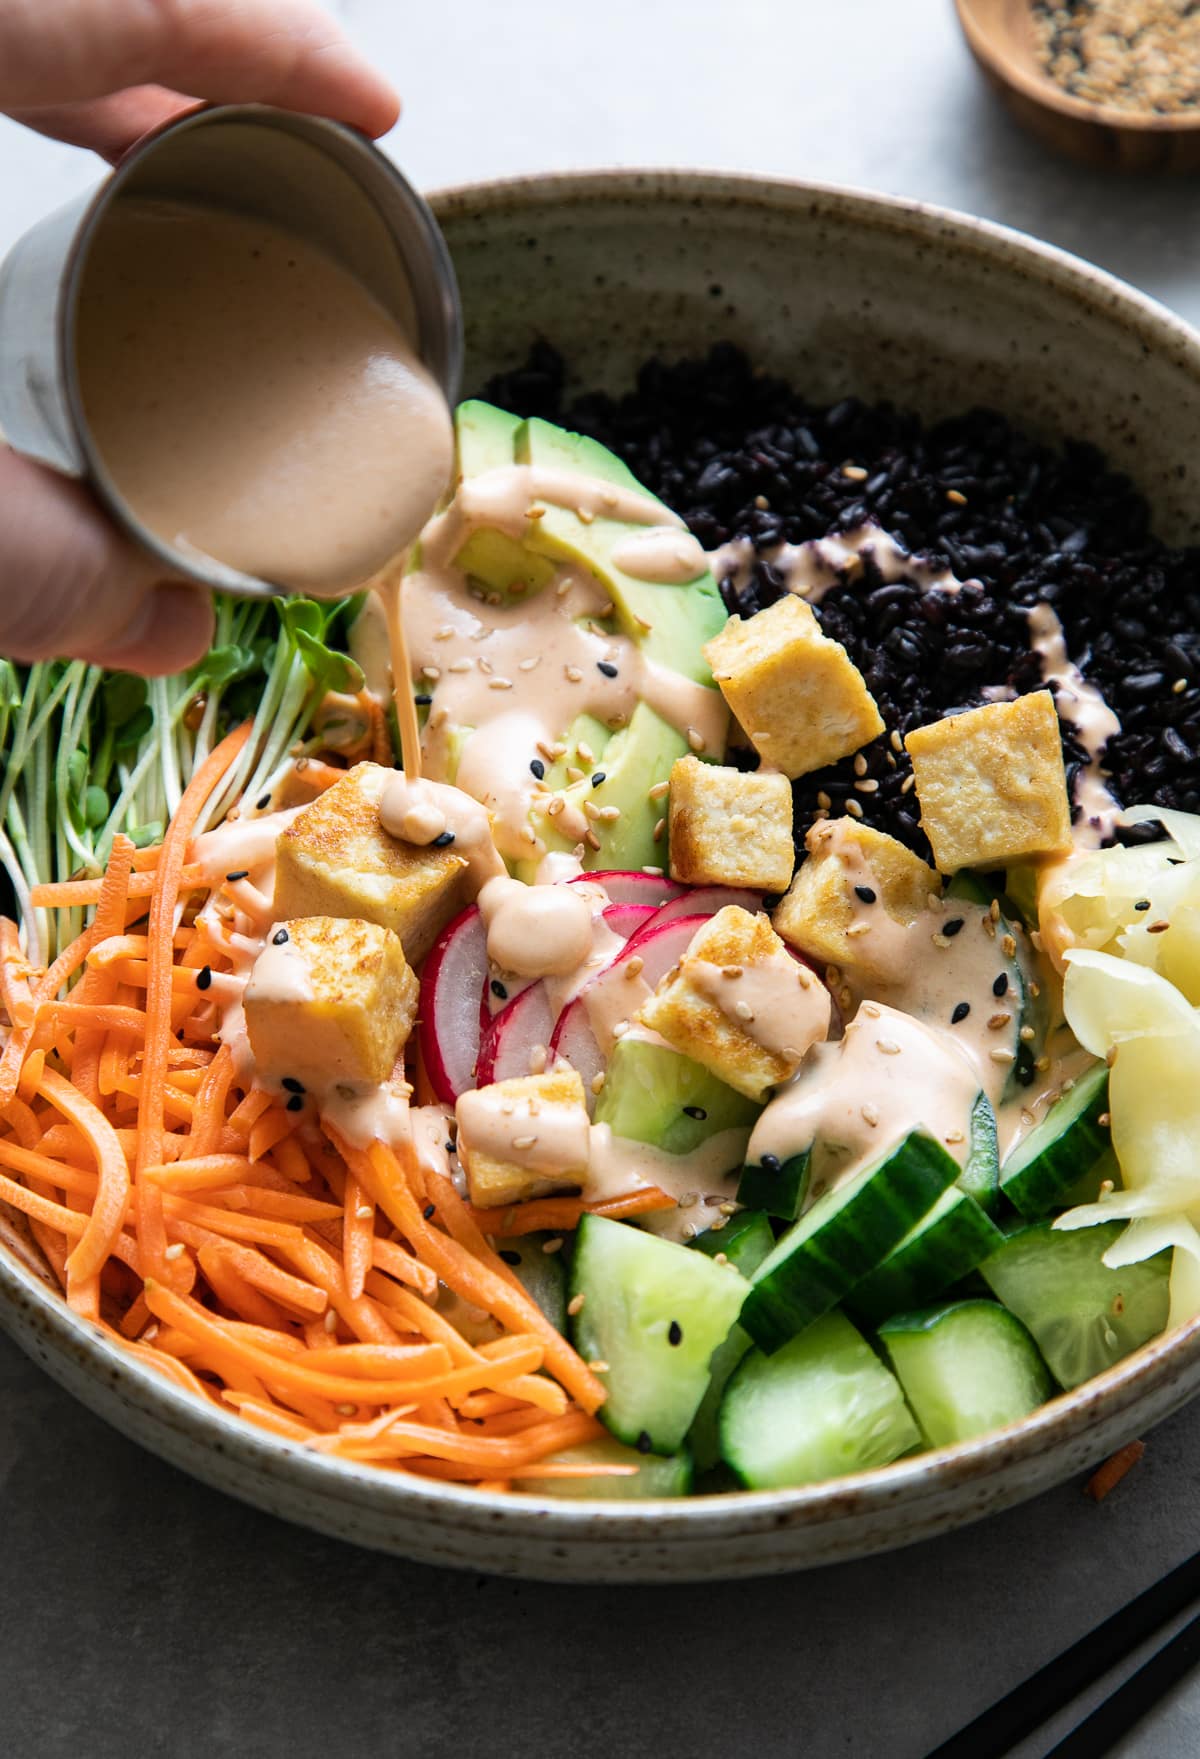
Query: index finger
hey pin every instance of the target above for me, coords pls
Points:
(284, 52)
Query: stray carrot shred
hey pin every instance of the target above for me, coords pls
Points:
(1106, 1477)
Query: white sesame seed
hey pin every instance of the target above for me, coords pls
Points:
(658, 790)
(527, 665)
(433, 673)
(584, 753)
(562, 589)
(500, 684)
(364, 1212)
(598, 1081)
(858, 928)
(854, 809)
(1179, 686)
(695, 738)
(459, 665)
(867, 786)
(330, 1320)
(888, 1046)
(175, 1251)
(956, 497)
(620, 1029)
(743, 1010)
(633, 967)
(556, 806)
(854, 473)
(659, 827)
(654, 872)
(523, 1142)
(997, 1022)
(689, 1199)
(572, 674)
(575, 1305)
(860, 765)
(870, 1115)
(444, 633)
(598, 1366)
(609, 814)
(538, 1057)
(731, 970)
(554, 1245)
(345, 1410)
(1027, 1035)
(592, 840)
(1002, 1056)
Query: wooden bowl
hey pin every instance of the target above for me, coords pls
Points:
(1000, 35)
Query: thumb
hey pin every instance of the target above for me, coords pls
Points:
(72, 586)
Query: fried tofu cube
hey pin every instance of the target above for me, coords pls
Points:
(727, 828)
(330, 1000)
(739, 1003)
(850, 874)
(524, 1137)
(992, 784)
(336, 859)
(800, 698)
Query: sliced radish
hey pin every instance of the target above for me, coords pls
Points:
(630, 886)
(574, 1040)
(661, 944)
(511, 1038)
(707, 900)
(627, 919)
(498, 992)
(454, 977)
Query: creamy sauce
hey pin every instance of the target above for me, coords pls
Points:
(889, 1074)
(700, 1182)
(251, 402)
(776, 1002)
(1090, 719)
(664, 553)
(422, 812)
(812, 569)
(536, 931)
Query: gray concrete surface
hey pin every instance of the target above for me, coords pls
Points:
(141, 1614)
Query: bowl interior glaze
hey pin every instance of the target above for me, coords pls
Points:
(843, 293)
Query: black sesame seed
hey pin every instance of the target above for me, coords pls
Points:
(538, 768)
(961, 1010)
(643, 1444)
(427, 1212)
(952, 927)
(242, 873)
(449, 1147)
(279, 938)
(695, 1111)
(771, 1163)
(1001, 984)
(292, 1085)
(181, 1035)
(510, 1257)
(263, 801)
(204, 977)
(1142, 904)
(296, 1103)
(444, 841)
(598, 778)
(674, 1332)
(423, 700)
(866, 893)
(498, 990)
(607, 667)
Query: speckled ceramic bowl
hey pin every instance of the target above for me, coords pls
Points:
(842, 292)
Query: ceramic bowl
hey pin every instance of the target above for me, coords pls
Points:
(843, 293)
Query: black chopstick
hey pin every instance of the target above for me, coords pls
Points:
(1099, 1733)
(1036, 1700)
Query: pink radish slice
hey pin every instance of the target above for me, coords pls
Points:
(492, 1003)
(574, 1040)
(707, 900)
(626, 919)
(510, 1040)
(631, 887)
(454, 978)
(658, 949)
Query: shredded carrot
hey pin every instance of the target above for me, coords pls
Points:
(245, 1251)
(1105, 1478)
(562, 1214)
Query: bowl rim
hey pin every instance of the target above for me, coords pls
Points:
(30, 1308)
(1047, 95)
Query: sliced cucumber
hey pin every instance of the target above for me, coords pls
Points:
(746, 1242)
(965, 1369)
(778, 1186)
(653, 1094)
(542, 1273)
(823, 1406)
(980, 1177)
(843, 1236)
(1083, 1316)
(945, 1245)
(654, 1476)
(654, 1312)
(1061, 1150)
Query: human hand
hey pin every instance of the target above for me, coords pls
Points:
(99, 76)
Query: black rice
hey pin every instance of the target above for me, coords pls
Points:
(740, 454)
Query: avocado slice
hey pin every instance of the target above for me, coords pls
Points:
(681, 618)
(486, 439)
(647, 1088)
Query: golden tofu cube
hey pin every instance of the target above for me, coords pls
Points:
(330, 1000)
(992, 784)
(800, 698)
(850, 874)
(739, 1003)
(524, 1137)
(336, 859)
(727, 828)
